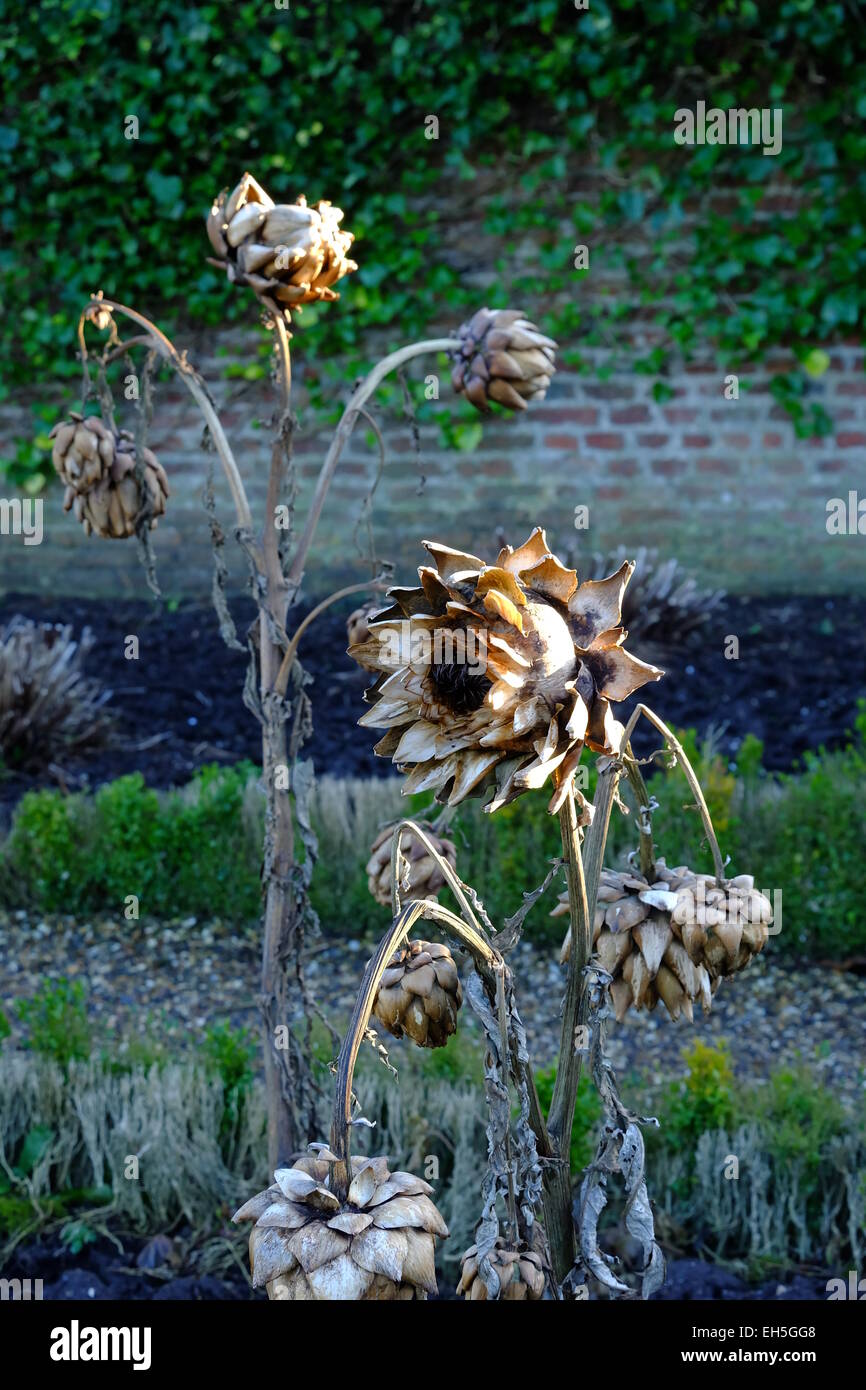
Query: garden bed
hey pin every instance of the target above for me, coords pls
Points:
(800, 672)
(101, 1271)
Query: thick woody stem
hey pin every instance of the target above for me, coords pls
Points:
(341, 437)
(281, 907)
(583, 869)
(557, 1185)
(486, 958)
(565, 1089)
(197, 389)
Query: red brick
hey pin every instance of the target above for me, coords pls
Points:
(653, 441)
(680, 415)
(623, 468)
(696, 441)
(631, 415)
(571, 415)
(668, 468)
(605, 441)
(850, 440)
(851, 388)
(736, 441)
(609, 391)
(707, 465)
(560, 441)
(771, 441)
(609, 494)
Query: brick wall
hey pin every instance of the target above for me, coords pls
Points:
(724, 485)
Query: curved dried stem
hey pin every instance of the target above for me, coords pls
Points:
(642, 796)
(196, 387)
(454, 882)
(486, 959)
(281, 681)
(690, 776)
(341, 437)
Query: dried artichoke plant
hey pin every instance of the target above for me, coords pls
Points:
(287, 254)
(546, 666)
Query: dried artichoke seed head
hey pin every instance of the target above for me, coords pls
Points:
(493, 678)
(420, 994)
(379, 1244)
(520, 1273)
(97, 466)
(288, 253)
(424, 877)
(501, 356)
(675, 938)
(356, 623)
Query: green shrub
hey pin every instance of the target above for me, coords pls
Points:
(805, 835)
(587, 1115)
(799, 1151)
(177, 852)
(232, 1053)
(57, 1023)
(800, 1117)
(700, 1101)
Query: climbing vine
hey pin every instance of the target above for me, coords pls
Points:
(555, 123)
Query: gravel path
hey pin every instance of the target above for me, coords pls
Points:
(183, 975)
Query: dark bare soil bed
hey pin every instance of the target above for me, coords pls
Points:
(103, 1271)
(800, 671)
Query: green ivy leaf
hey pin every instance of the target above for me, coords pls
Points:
(166, 190)
(816, 362)
(467, 437)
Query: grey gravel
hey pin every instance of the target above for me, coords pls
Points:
(176, 977)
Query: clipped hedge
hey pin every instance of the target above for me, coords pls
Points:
(333, 100)
(197, 850)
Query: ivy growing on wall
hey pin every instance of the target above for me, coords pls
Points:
(688, 244)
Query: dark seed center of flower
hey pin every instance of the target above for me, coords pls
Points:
(459, 688)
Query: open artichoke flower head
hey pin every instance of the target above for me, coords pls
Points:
(495, 676)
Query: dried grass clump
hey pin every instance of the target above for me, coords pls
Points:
(169, 1117)
(172, 1118)
(771, 1213)
(48, 707)
(345, 809)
